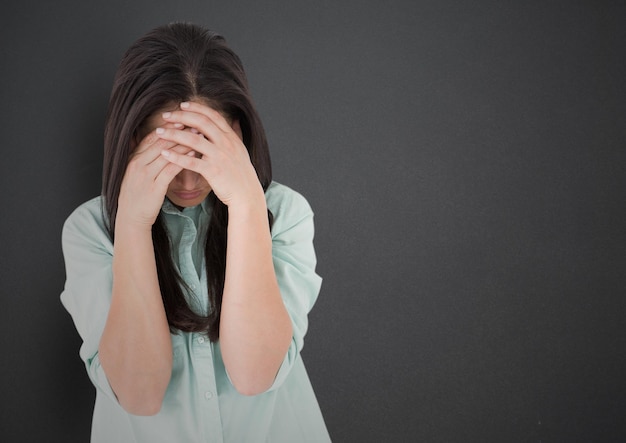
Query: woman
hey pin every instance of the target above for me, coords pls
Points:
(191, 277)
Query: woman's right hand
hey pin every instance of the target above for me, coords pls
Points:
(146, 180)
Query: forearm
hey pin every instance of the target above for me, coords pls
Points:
(135, 348)
(255, 328)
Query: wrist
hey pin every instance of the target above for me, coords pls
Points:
(248, 208)
(125, 225)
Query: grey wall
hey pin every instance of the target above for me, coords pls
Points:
(466, 162)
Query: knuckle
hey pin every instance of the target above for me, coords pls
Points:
(205, 119)
(192, 162)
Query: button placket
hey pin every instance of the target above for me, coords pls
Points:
(206, 389)
(186, 253)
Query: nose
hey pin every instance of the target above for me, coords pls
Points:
(187, 179)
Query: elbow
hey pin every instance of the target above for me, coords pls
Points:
(143, 399)
(251, 388)
(139, 393)
(142, 406)
(251, 383)
(254, 380)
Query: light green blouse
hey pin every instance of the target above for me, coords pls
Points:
(200, 404)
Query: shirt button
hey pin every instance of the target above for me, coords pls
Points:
(193, 287)
(200, 339)
(208, 395)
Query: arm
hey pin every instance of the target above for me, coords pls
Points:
(135, 349)
(255, 328)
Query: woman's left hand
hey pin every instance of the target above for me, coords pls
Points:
(222, 159)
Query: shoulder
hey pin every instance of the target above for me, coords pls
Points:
(292, 214)
(88, 213)
(284, 202)
(87, 221)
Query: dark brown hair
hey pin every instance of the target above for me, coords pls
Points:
(175, 63)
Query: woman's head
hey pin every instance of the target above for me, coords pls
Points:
(171, 64)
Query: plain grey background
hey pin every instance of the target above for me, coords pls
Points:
(466, 163)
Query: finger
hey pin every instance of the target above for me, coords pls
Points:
(191, 163)
(218, 117)
(151, 138)
(160, 164)
(166, 175)
(199, 122)
(181, 149)
(150, 147)
(214, 116)
(155, 167)
(194, 141)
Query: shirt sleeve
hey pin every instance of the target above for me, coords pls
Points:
(88, 254)
(294, 263)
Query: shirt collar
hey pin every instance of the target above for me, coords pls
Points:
(169, 208)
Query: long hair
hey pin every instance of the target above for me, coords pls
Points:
(175, 63)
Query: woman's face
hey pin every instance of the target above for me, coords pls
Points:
(188, 188)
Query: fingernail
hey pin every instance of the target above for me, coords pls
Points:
(160, 131)
(184, 105)
(165, 153)
(194, 130)
(178, 125)
(167, 114)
